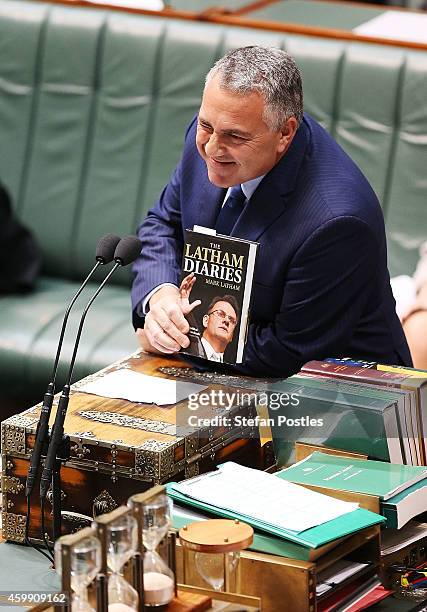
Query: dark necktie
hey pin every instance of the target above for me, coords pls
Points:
(230, 211)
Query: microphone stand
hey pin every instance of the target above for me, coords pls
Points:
(59, 451)
(42, 432)
(104, 254)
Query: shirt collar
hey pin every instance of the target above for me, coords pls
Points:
(248, 187)
(210, 351)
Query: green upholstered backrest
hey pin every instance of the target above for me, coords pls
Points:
(94, 105)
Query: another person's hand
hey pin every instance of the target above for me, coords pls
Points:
(184, 292)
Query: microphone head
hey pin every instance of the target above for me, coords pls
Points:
(127, 250)
(106, 247)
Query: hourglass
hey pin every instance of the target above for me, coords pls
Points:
(153, 510)
(214, 547)
(121, 542)
(78, 561)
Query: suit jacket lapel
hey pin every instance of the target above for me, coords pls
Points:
(268, 201)
(209, 203)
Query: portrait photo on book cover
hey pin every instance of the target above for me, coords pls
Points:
(213, 323)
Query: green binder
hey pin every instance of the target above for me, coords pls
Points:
(311, 538)
(262, 542)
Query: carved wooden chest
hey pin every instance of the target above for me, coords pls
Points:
(119, 448)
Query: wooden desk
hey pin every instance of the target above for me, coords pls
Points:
(118, 448)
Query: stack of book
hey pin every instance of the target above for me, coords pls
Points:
(380, 411)
(411, 384)
(400, 489)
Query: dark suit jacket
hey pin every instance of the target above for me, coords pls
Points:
(321, 284)
(21, 262)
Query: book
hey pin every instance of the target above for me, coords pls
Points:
(387, 375)
(385, 480)
(400, 434)
(408, 405)
(217, 271)
(329, 413)
(401, 508)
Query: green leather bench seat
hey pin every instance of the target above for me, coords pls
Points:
(93, 108)
(28, 341)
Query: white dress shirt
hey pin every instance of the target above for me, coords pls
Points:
(210, 351)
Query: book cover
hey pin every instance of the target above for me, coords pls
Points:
(217, 273)
(384, 480)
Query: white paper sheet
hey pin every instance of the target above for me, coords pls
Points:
(136, 387)
(150, 5)
(336, 573)
(396, 25)
(393, 540)
(264, 497)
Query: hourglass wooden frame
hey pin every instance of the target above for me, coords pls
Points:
(102, 522)
(68, 542)
(136, 503)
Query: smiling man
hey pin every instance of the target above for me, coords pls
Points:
(255, 167)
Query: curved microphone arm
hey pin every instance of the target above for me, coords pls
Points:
(82, 320)
(65, 320)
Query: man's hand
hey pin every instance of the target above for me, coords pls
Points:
(166, 327)
(144, 344)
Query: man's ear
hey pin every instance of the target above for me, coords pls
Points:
(287, 134)
(205, 320)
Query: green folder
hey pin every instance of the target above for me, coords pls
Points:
(311, 538)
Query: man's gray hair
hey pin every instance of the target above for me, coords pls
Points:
(269, 71)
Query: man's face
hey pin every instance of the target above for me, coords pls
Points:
(219, 325)
(233, 138)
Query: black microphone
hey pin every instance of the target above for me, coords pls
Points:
(104, 254)
(126, 251)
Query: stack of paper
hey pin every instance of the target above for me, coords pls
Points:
(255, 494)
